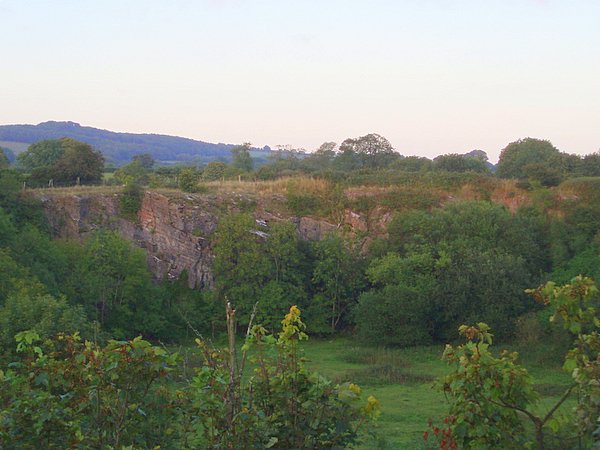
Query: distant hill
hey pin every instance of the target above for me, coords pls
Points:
(119, 148)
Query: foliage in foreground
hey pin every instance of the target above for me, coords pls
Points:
(65, 393)
(492, 398)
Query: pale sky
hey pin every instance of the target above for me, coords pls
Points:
(433, 76)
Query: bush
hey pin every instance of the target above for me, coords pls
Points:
(43, 314)
(394, 315)
(188, 179)
(131, 200)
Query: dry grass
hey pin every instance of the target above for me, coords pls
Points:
(270, 187)
(76, 190)
(272, 193)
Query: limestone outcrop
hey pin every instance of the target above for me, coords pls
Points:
(174, 230)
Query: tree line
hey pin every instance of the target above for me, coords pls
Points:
(368, 158)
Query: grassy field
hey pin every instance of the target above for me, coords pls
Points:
(402, 381)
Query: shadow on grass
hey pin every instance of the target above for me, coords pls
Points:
(383, 374)
(382, 366)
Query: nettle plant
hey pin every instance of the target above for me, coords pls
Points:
(493, 397)
(281, 404)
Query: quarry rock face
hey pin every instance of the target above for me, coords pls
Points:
(174, 231)
(175, 228)
(175, 236)
(312, 229)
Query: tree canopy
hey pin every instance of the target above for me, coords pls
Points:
(4, 158)
(517, 158)
(241, 158)
(42, 154)
(460, 163)
(372, 149)
(65, 161)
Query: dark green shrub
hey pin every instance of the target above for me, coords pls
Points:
(393, 315)
(131, 200)
(188, 179)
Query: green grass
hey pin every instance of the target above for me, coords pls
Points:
(401, 379)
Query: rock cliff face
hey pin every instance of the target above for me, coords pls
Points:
(174, 230)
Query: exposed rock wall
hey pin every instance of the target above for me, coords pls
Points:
(175, 228)
(175, 231)
(175, 236)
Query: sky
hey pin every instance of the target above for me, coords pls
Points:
(432, 76)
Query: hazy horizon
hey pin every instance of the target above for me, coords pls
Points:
(432, 76)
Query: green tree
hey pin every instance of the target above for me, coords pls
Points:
(413, 164)
(43, 314)
(131, 200)
(133, 173)
(543, 173)
(477, 224)
(4, 161)
(87, 396)
(586, 263)
(144, 159)
(22, 208)
(285, 405)
(516, 156)
(393, 315)
(347, 160)
(286, 285)
(460, 163)
(15, 278)
(590, 165)
(214, 171)
(338, 276)
(35, 250)
(79, 162)
(373, 150)
(7, 229)
(256, 264)
(43, 154)
(470, 260)
(114, 284)
(62, 392)
(321, 159)
(241, 267)
(188, 179)
(65, 161)
(9, 154)
(485, 394)
(241, 158)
